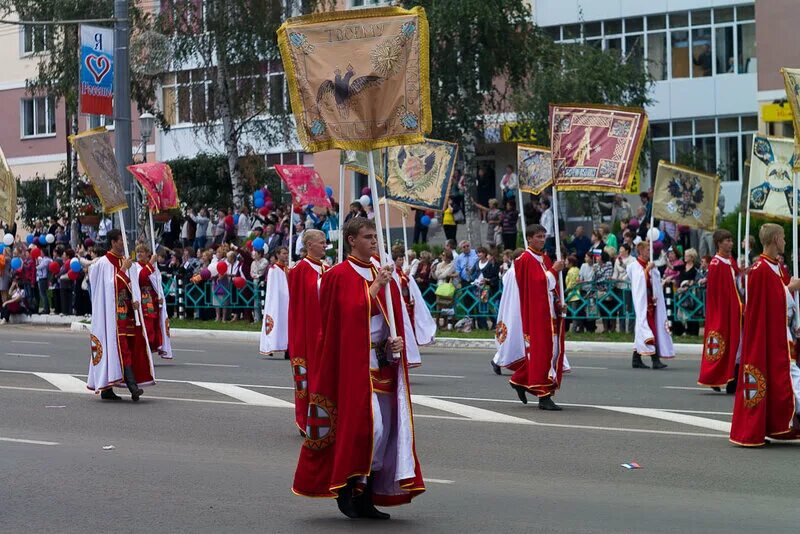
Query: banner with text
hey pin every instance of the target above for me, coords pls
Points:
(97, 71)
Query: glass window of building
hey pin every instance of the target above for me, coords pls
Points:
(657, 55)
(702, 57)
(679, 44)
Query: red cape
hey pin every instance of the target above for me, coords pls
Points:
(339, 442)
(533, 372)
(723, 325)
(764, 405)
(304, 329)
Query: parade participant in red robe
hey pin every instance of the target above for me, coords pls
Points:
(530, 327)
(117, 356)
(305, 321)
(360, 445)
(768, 393)
(150, 300)
(724, 311)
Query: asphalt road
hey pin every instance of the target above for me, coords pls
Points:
(213, 447)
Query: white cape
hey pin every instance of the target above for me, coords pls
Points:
(424, 324)
(275, 323)
(645, 339)
(413, 355)
(105, 362)
(165, 350)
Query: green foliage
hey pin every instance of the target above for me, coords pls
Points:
(435, 250)
(730, 221)
(37, 204)
(34, 202)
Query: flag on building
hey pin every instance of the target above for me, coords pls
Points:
(97, 70)
(791, 79)
(358, 79)
(356, 160)
(8, 192)
(685, 196)
(419, 175)
(156, 179)
(596, 148)
(534, 168)
(305, 184)
(771, 165)
(96, 154)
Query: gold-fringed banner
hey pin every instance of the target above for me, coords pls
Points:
(534, 168)
(420, 175)
(358, 79)
(791, 79)
(96, 155)
(770, 184)
(685, 196)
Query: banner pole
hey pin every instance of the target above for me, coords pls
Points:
(557, 231)
(522, 216)
(652, 221)
(746, 244)
(373, 188)
(341, 203)
(405, 242)
(388, 231)
(291, 231)
(152, 231)
(795, 262)
(127, 254)
(739, 236)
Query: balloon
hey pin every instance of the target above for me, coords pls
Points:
(248, 244)
(298, 210)
(258, 202)
(364, 200)
(229, 220)
(236, 219)
(430, 213)
(434, 221)
(259, 193)
(36, 253)
(263, 211)
(205, 274)
(213, 269)
(658, 246)
(222, 268)
(42, 239)
(8, 240)
(50, 239)
(366, 191)
(88, 243)
(54, 268)
(75, 266)
(239, 282)
(2, 248)
(16, 263)
(634, 223)
(329, 191)
(425, 220)
(258, 243)
(72, 275)
(268, 204)
(653, 234)
(661, 236)
(29, 239)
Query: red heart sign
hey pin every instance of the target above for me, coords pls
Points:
(98, 66)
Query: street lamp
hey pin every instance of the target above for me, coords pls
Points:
(146, 123)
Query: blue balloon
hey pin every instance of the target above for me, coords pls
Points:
(75, 265)
(236, 219)
(662, 236)
(42, 239)
(259, 193)
(258, 244)
(258, 202)
(425, 220)
(29, 239)
(16, 263)
(2, 248)
(329, 191)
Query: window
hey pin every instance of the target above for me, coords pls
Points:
(96, 121)
(680, 54)
(290, 158)
(38, 117)
(369, 3)
(35, 39)
(657, 55)
(188, 96)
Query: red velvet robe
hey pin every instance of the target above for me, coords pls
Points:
(724, 312)
(305, 323)
(764, 405)
(339, 444)
(151, 309)
(538, 327)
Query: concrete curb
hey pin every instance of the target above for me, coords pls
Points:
(683, 349)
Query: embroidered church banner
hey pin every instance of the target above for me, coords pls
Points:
(771, 165)
(358, 79)
(791, 79)
(685, 196)
(305, 184)
(156, 179)
(534, 168)
(419, 175)
(8, 192)
(356, 160)
(595, 148)
(96, 155)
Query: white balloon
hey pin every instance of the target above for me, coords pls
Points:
(50, 238)
(213, 269)
(434, 222)
(364, 200)
(8, 240)
(653, 233)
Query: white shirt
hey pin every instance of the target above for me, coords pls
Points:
(104, 227)
(547, 222)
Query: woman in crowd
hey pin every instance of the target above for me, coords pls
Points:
(15, 302)
(686, 284)
(423, 275)
(494, 230)
(448, 221)
(487, 282)
(445, 270)
(508, 225)
(572, 295)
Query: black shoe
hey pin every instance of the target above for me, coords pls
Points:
(364, 505)
(657, 364)
(546, 403)
(130, 381)
(345, 500)
(286, 355)
(637, 361)
(521, 392)
(730, 387)
(715, 388)
(108, 394)
(496, 368)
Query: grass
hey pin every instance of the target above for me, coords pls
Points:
(475, 334)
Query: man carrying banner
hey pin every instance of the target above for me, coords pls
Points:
(651, 335)
(275, 323)
(305, 320)
(768, 394)
(117, 356)
(530, 327)
(724, 310)
(150, 295)
(360, 445)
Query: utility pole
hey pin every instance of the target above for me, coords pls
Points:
(122, 111)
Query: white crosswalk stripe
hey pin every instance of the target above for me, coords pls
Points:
(245, 395)
(65, 382)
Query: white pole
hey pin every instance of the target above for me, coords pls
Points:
(291, 231)
(341, 204)
(557, 232)
(739, 237)
(522, 217)
(405, 242)
(373, 187)
(652, 221)
(152, 232)
(746, 243)
(127, 255)
(795, 262)
(388, 232)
